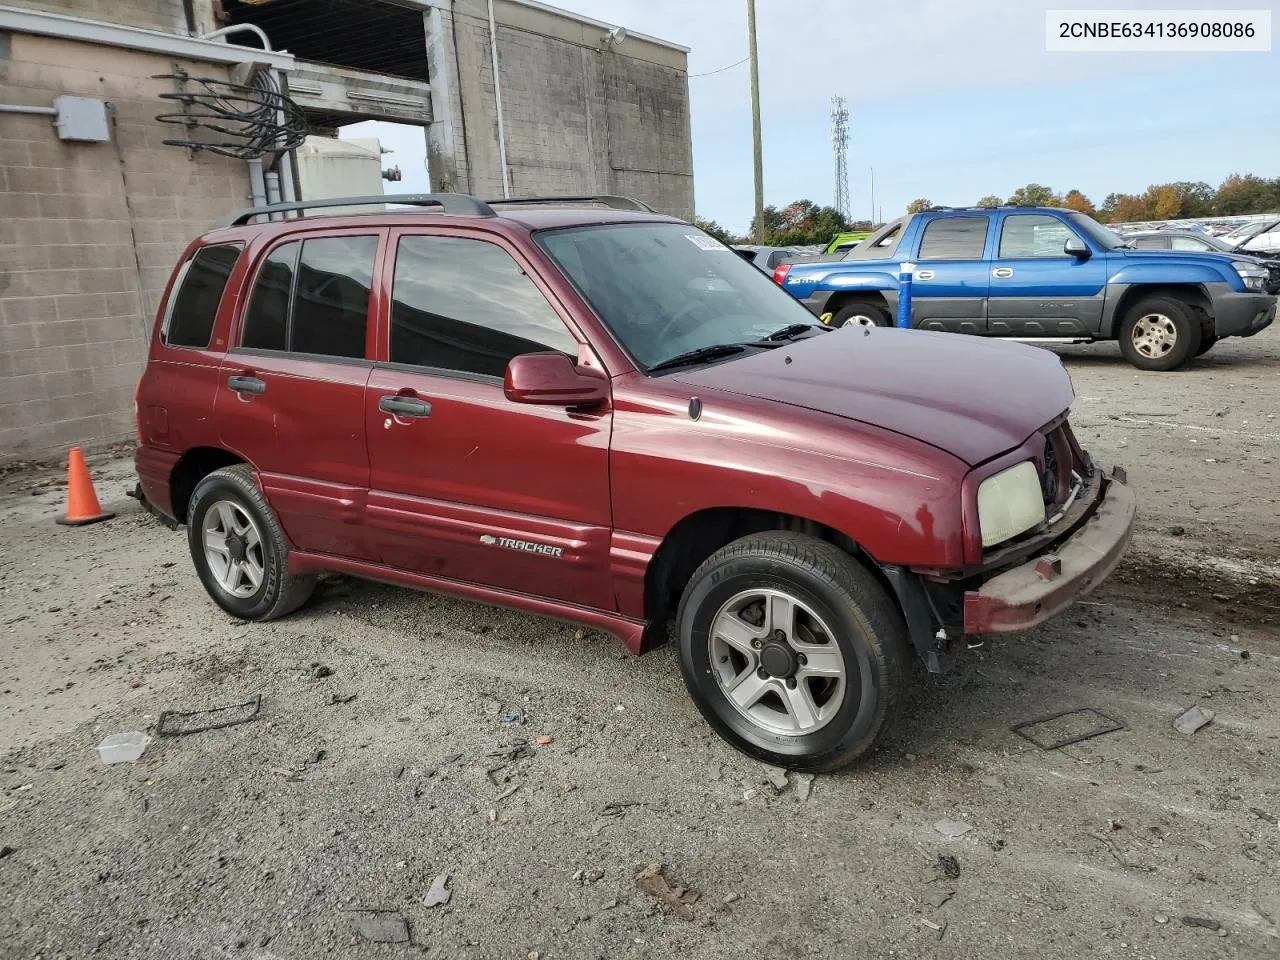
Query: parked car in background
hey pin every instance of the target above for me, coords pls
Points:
(844, 242)
(1257, 236)
(1183, 240)
(606, 416)
(1040, 273)
(766, 258)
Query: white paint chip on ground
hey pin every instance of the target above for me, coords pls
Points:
(952, 829)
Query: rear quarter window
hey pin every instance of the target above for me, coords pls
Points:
(193, 308)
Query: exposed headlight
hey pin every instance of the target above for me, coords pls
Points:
(1254, 275)
(1010, 503)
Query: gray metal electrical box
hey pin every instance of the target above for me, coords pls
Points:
(81, 118)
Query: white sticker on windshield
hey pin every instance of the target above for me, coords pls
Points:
(705, 243)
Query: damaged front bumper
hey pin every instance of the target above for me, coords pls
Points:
(1045, 585)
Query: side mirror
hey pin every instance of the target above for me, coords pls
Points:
(1075, 247)
(552, 379)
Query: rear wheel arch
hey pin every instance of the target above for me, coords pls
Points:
(194, 465)
(874, 298)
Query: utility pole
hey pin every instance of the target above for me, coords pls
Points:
(873, 197)
(755, 121)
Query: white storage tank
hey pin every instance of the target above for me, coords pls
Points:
(340, 168)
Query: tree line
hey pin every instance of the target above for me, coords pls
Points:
(804, 222)
(1183, 200)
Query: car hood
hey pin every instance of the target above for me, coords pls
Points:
(1191, 256)
(971, 397)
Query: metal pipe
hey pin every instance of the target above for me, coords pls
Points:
(39, 111)
(273, 191)
(239, 28)
(257, 185)
(497, 102)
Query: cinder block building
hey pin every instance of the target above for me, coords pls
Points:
(95, 206)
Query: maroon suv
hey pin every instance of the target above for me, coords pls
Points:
(603, 414)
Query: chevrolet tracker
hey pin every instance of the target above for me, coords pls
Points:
(602, 414)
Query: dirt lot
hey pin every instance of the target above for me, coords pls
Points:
(267, 840)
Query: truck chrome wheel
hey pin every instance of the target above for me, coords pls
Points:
(1154, 336)
(233, 549)
(861, 320)
(777, 662)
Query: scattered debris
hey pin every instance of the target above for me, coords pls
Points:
(7, 851)
(804, 784)
(1271, 818)
(513, 715)
(675, 900)
(748, 794)
(1177, 531)
(777, 777)
(866, 803)
(937, 898)
(1115, 851)
(732, 898)
(123, 747)
(952, 829)
(949, 866)
(315, 758)
(178, 723)
(616, 808)
(338, 699)
(506, 793)
(1202, 922)
(383, 927)
(584, 876)
(439, 894)
(1193, 719)
(1063, 729)
(579, 634)
(938, 928)
(1160, 918)
(544, 741)
(321, 671)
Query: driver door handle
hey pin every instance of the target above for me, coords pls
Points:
(246, 384)
(401, 406)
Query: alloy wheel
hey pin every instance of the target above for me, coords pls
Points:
(1154, 336)
(233, 548)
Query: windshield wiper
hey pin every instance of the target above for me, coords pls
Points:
(793, 331)
(713, 352)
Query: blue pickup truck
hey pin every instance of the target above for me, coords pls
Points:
(1038, 273)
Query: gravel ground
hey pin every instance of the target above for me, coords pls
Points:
(278, 837)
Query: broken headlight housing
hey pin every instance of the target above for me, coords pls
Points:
(1010, 503)
(1254, 275)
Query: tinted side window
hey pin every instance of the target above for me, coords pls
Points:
(954, 238)
(1150, 243)
(465, 305)
(1188, 243)
(331, 301)
(194, 306)
(1033, 235)
(266, 322)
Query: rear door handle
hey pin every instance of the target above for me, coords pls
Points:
(246, 385)
(404, 406)
(924, 275)
(1002, 273)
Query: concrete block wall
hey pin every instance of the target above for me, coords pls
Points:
(580, 116)
(89, 233)
(164, 15)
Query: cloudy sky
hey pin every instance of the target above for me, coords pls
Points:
(949, 100)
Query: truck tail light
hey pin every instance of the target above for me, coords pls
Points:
(780, 273)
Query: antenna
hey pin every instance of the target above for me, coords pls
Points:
(840, 143)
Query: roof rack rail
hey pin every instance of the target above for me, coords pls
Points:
(617, 203)
(459, 204)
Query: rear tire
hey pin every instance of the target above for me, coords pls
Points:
(1207, 343)
(861, 314)
(1159, 333)
(240, 550)
(792, 651)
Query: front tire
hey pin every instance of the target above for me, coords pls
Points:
(240, 550)
(1159, 333)
(861, 314)
(792, 651)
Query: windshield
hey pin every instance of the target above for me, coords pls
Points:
(665, 289)
(1096, 232)
(1246, 231)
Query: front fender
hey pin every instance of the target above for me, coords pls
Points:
(1160, 274)
(833, 281)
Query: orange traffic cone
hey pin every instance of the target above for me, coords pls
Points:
(82, 502)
